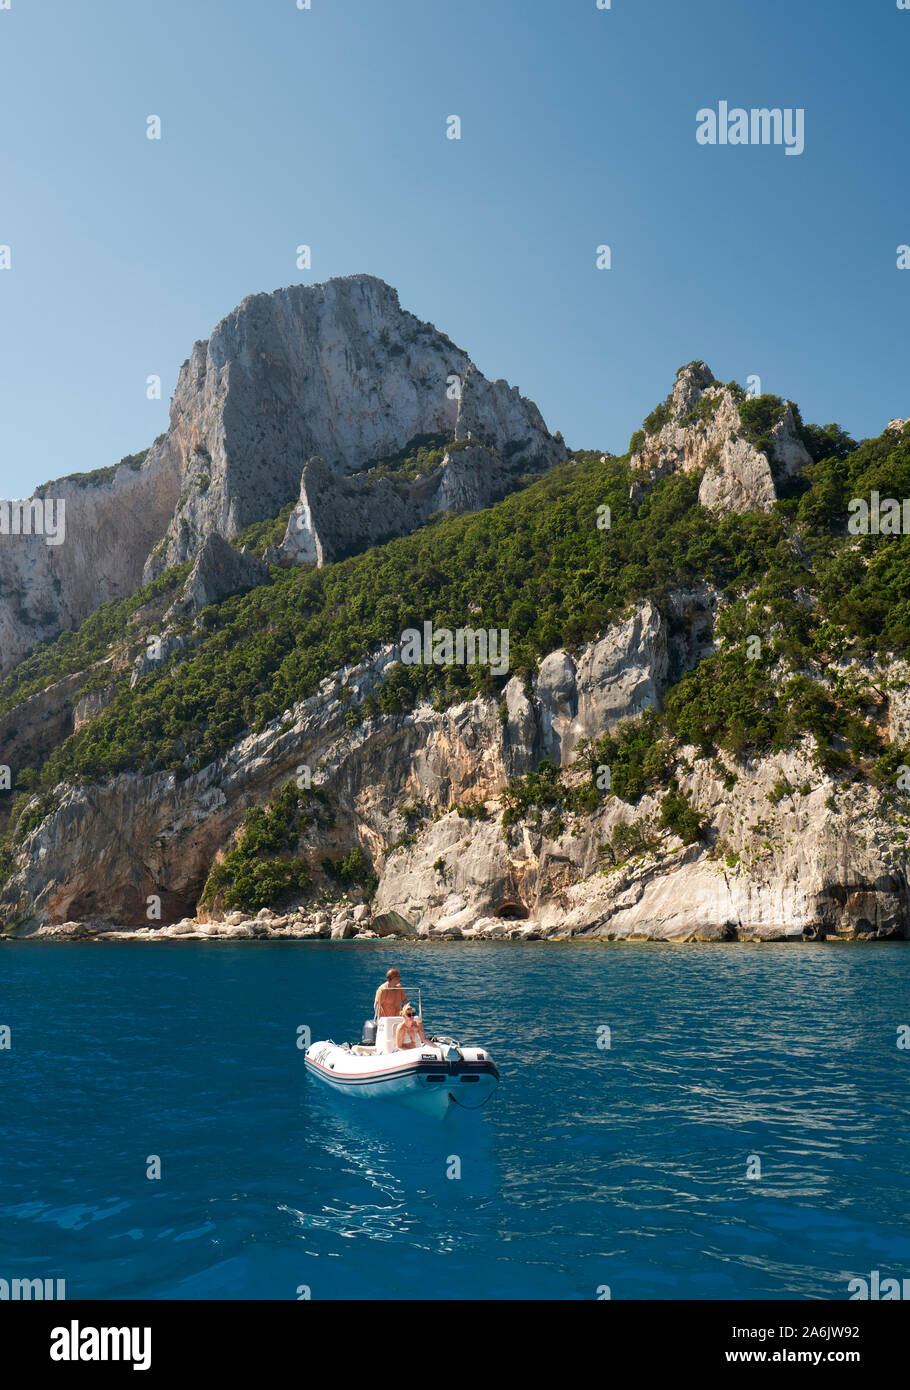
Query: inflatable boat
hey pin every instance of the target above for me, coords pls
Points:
(433, 1077)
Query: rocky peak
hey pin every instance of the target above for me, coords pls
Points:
(701, 426)
(691, 383)
(337, 371)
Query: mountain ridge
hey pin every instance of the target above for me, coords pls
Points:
(693, 618)
(335, 368)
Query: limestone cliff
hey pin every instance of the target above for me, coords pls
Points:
(160, 834)
(337, 371)
(111, 520)
(322, 400)
(766, 867)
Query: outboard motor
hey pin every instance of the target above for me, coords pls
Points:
(369, 1033)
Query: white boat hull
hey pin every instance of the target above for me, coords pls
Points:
(429, 1079)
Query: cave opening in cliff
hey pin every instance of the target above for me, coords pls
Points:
(512, 911)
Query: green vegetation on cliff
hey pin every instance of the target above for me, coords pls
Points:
(539, 565)
(419, 456)
(536, 564)
(265, 867)
(259, 535)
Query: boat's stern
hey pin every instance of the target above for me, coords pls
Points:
(465, 1076)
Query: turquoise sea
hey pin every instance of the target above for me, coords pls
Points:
(622, 1167)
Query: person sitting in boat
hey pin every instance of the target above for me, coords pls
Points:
(409, 1032)
(390, 997)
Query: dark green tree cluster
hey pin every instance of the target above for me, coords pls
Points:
(265, 867)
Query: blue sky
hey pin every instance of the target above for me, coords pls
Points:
(327, 127)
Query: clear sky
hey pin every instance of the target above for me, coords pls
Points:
(327, 126)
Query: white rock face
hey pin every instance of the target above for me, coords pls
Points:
(151, 659)
(617, 677)
(770, 870)
(792, 867)
(738, 477)
(110, 526)
(337, 371)
(90, 706)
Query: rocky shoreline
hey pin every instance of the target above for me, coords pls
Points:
(356, 923)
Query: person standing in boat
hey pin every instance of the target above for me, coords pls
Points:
(390, 997)
(409, 1032)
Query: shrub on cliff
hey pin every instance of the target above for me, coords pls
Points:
(679, 816)
(263, 867)
(759, 415)
(354, 871)
(636, 756)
